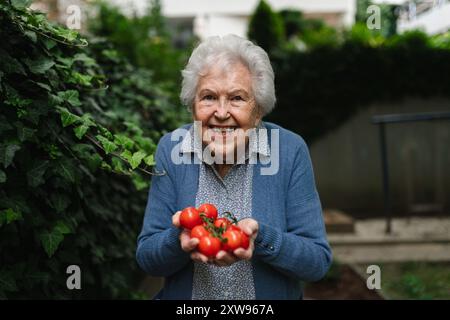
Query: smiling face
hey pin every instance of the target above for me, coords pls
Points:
(225, 104)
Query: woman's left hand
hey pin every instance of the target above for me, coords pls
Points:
(250, 227)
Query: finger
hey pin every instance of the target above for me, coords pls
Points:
(249, 226)
(197, 256)
(225, 258)
(176, 219)
(189, 245)
(243, 254)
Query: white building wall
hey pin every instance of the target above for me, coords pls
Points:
(434, 21)
(217, 24)
(219, 17)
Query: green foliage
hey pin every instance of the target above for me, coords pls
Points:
(266, 27)
(143, 39)
(319, 89)
(416, 280)
(311, 33)
(67, 194)
(388, 17)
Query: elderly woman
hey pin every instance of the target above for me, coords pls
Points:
(228, 84)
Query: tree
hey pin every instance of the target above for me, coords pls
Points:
(266, 27)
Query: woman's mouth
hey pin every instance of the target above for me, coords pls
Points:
(223, 130)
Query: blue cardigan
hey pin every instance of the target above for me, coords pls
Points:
(291, 244)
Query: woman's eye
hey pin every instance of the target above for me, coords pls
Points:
(237, 98)
(208, 97)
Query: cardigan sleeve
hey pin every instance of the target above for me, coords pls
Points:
(302, 251)
(159, 251)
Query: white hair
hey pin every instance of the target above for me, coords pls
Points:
(227, 50)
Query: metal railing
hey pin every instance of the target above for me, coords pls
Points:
(382, 121)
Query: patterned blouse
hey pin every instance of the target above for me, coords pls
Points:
(231, 193)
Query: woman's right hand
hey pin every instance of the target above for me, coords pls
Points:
(188, 244)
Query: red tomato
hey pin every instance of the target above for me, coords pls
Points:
(209, 210)
(190, 218)
(209, 246)
(245, 241)
(233, 240)
(198, 232)
(222, 223)
(234, 227)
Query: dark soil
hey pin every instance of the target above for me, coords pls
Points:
(348, 285)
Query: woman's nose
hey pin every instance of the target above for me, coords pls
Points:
(222, 110)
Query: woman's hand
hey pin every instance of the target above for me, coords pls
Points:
(249, 226)
(187, 243)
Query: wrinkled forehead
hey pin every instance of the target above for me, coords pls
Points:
(226, 76)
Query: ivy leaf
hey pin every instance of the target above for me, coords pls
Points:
(35, 175)
(108, 146)
(88, 61)
(67, 170)
(126, 155)
(139, 183)
(105, 166)
(31, 34)
(62, 227)
(87, 122)
(49, 43)
(80, 131)
(2, 176)
(21, 4)
(67, 118)
(24, 133)
(17, 203)
(150, 160)
(117, 164)
(4, 125)
(51, 241)
(124, 141)
(7, 153)
(9, 215)
(44, 86)
(12, 215)
(71, 96)
(67, 34)
(10, 64)
(82, 79)
(136, 159)
(145, 142)
(7, 282)
(106, 133)
(39, 66)
(94, 162)
(59, 202)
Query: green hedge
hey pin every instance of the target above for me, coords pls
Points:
(319, 89)
(78, 129)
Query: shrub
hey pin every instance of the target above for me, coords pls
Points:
(266, 27)
(78, 130)
(319, 89)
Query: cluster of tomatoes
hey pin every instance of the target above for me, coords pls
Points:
(214, 233)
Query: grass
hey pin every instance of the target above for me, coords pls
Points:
(416, 280)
